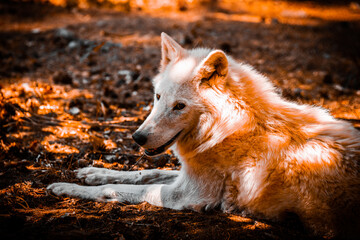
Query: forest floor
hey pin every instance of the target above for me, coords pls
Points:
(75, 84)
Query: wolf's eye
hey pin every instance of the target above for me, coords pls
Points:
(157, 96)
(179, 106)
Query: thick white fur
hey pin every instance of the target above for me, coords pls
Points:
(242, 147)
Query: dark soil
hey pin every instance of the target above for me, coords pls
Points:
(75, 84)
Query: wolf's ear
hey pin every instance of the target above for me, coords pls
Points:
(214, 68)
(170, 50)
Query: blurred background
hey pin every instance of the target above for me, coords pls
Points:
(75, 83)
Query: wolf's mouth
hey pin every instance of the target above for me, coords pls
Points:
(155, 151)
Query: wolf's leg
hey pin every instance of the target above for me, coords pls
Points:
(158, 194)
(100, 176)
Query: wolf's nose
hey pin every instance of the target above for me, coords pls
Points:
(139, 138)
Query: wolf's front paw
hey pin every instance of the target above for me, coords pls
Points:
(84, 172)
(60, 188)
(79, 191)
(92, 176)
(94, 179)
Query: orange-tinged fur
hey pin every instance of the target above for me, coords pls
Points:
(241, 146)
(284, 158)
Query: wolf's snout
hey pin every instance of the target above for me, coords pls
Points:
(139, 138)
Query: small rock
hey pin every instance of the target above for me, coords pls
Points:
(64, 33)
(110, 158)
(74, 111)
(73, 44)
(35, 30)
(127, 74)
(338, 87)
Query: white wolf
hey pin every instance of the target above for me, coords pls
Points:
(241, 146)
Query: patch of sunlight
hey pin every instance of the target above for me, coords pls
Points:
(61, 3)
(20, 135)
(126, 119)
(312, 156)
(237, 218)
(238, 17)
(258, 225)
(110, 144)
(101, 163)
(59, 148)
(33, 168)
(65, 132)
(45, 109)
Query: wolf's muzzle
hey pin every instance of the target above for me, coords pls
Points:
(156, 151)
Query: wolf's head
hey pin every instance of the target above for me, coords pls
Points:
(190, 97)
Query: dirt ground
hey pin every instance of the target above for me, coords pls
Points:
(76, 83)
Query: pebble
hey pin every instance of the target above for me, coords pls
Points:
(64, 33)
(35, 30)
(74, 111)
(110, 158)
(338, 87)
(127, 74)
(73, 44)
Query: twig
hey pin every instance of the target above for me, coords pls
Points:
(113, 34)
(138, 161)
(23, 200)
